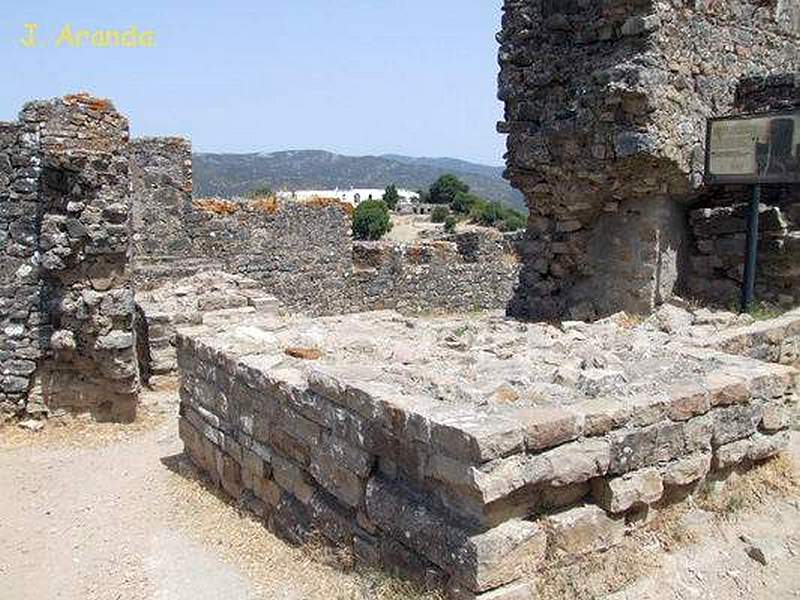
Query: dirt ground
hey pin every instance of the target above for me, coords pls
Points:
(411, 228)
(91, 512)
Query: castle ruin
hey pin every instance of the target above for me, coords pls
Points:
(462, 451)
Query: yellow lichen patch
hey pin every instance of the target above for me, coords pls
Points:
(216, 206)
(88, 100)
(266, 204)
(304, 353)
(335, 202)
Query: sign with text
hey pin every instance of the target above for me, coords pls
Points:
(750, 149)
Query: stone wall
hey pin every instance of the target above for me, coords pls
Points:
(70, 325)
(606, 104)
(397, 466)
(303, 252)
(719, 218)
(22, 325)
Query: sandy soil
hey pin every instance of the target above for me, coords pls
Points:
(411, 228)
(92, 512)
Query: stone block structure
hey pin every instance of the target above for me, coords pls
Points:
(466, 454)
(66, 324)
(606, 104)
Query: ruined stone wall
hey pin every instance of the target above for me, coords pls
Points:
(161, 175)
(302, 252)
(70, 331)
(718, 220)
(471, 272)
(21, 321)
(606, 105)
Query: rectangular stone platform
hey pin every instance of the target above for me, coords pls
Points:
(463, 451)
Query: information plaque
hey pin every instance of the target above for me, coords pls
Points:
(754, 149)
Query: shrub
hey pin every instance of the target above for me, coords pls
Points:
(450, 224)
(391, 197)
(445, 189)
(263, 191)
(439, 214)
(514, 221)
(371, 220)
(494, 214)
(463, 202)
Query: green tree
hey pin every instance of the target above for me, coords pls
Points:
(445, 189)
(494, 214)
(391, 197)
(439, 214)
(450, 224)
(262, 191)
(463, 202)
(371, 220)
(513, 221)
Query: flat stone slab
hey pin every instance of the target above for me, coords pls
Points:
(484, 387)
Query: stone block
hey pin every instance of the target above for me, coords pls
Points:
(775, 417)
(633, 449)
(619, 494)
(734, 423)
(512, 591)
(581, 530)
(577, 462)
(549, 427)
(684, 471)
(688, 400)
(479, 560)
(336, 478)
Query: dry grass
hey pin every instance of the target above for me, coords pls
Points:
(266, 204)
(335, 202)
(216, 206)
(276, 569)
(601, 574)
(79, 431)
(775, 478)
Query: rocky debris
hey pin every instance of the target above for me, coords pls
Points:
(31, 425)
(753, 550)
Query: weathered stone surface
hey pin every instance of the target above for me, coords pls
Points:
(687, 470)
(734, 423)
(65, 279)
(513, 591)
(548, 427)
(619, 494)
(583, 529)
(606, 134)
(481, 561)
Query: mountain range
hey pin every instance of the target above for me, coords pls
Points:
(227, 175)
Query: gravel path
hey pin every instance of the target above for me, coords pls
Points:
(119, 521)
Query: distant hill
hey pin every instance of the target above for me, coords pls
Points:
(237, 174)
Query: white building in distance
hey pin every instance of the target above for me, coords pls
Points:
(354, 196)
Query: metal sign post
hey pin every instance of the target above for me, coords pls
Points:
(753, 150)
(749, 282)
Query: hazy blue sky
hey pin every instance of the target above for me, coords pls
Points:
(354, 76)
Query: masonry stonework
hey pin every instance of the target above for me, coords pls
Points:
(68, 332)
(606, 105)
(465, 455)
(303, 252)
